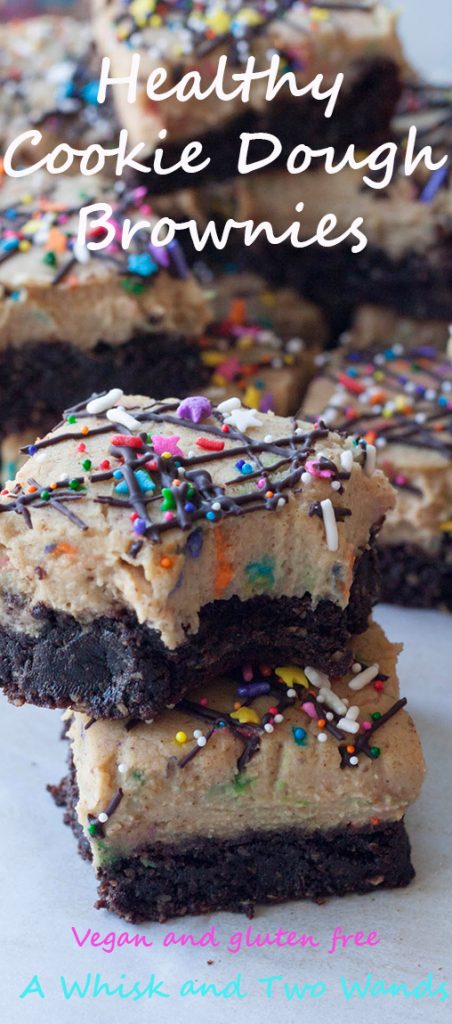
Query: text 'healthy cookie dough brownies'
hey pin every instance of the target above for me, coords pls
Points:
(193, 37)
(145, 543)
(400, 400)
(276, 783)
(72, 319)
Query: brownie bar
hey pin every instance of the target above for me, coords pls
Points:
(157, 553)
(400, 397)
(38, 380)
(271, 784)
(201, 876)
(412, 577)
(116, 667)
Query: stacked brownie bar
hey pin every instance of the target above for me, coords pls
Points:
(400, 399)
(194, 584)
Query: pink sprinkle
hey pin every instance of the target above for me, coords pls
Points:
(400, 479)
(309, 709)
(81, 447)
(314, 469)
(204, 701)
(366, 725)
(169, 516)
(261, 483)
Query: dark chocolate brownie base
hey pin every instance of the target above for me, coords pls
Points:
(38, 380)
(202, 875)
(362, 115)
(115, 667)
(411, 577)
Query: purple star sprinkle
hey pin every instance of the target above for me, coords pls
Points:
(196, 408)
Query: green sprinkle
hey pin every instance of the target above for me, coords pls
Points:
(132, 286)
(169, 501)
(45, 495)
(50, 259)
(86, 464)
(375, 751)
(72, 419)
(75, 485)
(375, 716)
(92, 828)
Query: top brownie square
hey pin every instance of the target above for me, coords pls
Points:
(147, 543)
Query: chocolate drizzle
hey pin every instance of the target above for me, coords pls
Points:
(178, 485)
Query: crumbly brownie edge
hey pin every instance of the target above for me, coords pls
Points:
(115, 667)
(202, 875)
(412, 577)
(40, 379)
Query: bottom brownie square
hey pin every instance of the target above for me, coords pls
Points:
(270, 786)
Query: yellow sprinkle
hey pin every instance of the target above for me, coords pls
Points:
(181, 737)
(24, 246)
(244, 715)
(219, 21)
(218, 380)
(213, 359)
(166, 455)
(291, 674)
(252, 397)
(245, 342)
(318, 14)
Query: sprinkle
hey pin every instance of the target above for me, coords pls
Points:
(329, 521)
(268, 727)
(102, 817)
(371, 460)
(210, 444)
(104, 402)
(245, 714)
(165, 562)
(291, 674)
(229, 405)
(119, 415)
(374, 751)
(318, 679)
(201, 741)
(322, 737)
(243, 419)
(299, 735)
(181, 737)
(363, 678)
(196, 408)
(122, 768)
(347, 460)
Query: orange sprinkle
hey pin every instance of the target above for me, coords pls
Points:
(53, 487)
(224, 572)
(350, 750)
(31, 489)
(64, 549)
(85, 430)
(56, 240)
(237, 312)
(374, 821)
(269, 494)
(166, 562)
(175, 483)
(321, 722)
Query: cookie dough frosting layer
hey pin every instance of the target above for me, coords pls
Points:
(272, 751)
(193, 36)
(54, 290)
(49, 81)
(400, 399)
(175, 516)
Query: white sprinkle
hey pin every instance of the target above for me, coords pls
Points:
(295, 345)
(102, 817)
(150, 721)
(122, 768)
(197, 733)
(201, 741)
(268, 438)
(229, 404)
(430, 395)
(291, 692)
(81, 253)
(347, 460)
(332, 701)
(317, 678)
(353, 712)
(322, 737)
(329, 716)
(306, 478)
(321, 699)
(381, 442)
(347, 725)
(119, 415)
(420, 417)
(281, 502)
(268, 727)
(278, 718)
(371, 460)
(329, 522)
(363, 678)
(354, 760)
(356, 667)
(336, 485)
(216, 507)
(105, 402)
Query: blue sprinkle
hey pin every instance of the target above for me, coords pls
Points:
(16, 296)
(142, 263)
(389, 354)
(351, 372)
(118, 474)
(144, 481)
(32, 449)
(211, 516)
(10, 214)
(90, 91)
(253, 690)
(122, 488)
(239, 464)
(9, 244)
(195, 542)
(246, 468)
(189, 507)
(140, 526)
(299, 735)
(442, 400)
